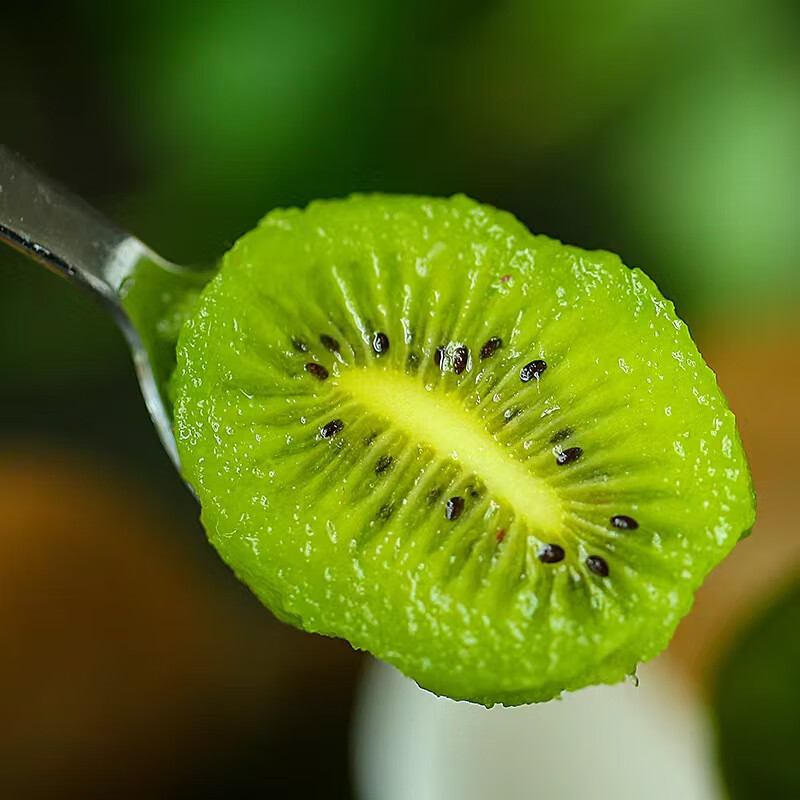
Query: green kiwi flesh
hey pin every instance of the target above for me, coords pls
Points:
(495, 461)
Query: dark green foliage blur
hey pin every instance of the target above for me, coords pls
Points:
(757, 705)
(665, 130)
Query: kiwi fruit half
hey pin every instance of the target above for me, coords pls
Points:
(495, 461)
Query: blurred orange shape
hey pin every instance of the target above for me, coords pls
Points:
(123, 660)
(759, 371)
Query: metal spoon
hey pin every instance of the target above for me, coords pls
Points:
(59, 230)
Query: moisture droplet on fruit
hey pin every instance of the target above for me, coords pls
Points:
(454, 507)
(624, 523)
(299, 345)
(329, 342)
(382, 464)
(380, 343)
(532, 370)
(317, 370)
(551, 554)
(331, 429)
(491, 345)
(460, 358)
(438, 357)
(597, 565)
(568, 456)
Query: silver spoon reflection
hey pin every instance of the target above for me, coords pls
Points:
(140, 288)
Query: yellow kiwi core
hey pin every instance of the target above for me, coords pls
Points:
(441, 422)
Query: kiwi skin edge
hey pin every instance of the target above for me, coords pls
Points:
(406, 500)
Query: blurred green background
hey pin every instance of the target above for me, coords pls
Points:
(667, 131)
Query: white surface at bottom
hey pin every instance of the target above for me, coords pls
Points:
(604, 743)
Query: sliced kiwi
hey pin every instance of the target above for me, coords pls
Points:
(493, 460)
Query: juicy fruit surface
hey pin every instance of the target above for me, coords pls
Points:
(493, 460)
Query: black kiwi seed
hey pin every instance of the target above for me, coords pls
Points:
(299, 345)
(454, 507)
(624, 523)
(598, 565)
(532, 370)
(317, 370)
(368, 440)
(438, 357)
(460, 358)
(380, 343)
(568, 456)
(329, 342)
(382, 464)
(559, 436)
(551, 554)
(491, 345)
(331, 429)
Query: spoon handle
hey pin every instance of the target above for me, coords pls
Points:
(63, 232)
(68, 236)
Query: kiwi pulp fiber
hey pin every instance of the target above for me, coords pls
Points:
(495, 461)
